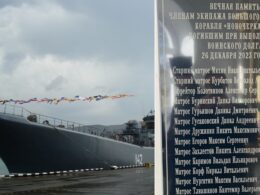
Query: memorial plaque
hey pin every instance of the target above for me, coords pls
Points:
(209, 55)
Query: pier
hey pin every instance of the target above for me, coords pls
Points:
(128, 181)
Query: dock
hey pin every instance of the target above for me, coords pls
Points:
(130, 181)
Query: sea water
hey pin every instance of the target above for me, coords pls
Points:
(3, 168)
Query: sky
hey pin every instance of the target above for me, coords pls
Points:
(56, 48)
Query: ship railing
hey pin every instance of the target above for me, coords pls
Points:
(14, 110)
(42, 119)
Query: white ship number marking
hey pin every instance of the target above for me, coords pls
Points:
(138, 159)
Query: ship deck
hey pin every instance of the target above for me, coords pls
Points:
(109, 182)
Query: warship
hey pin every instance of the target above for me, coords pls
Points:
(32, 143)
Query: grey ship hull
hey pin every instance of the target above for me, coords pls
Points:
(27, 147)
